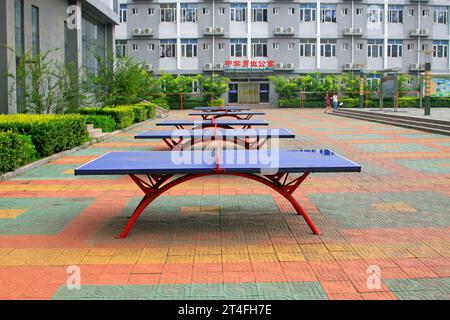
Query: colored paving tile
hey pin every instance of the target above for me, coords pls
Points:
(384, 210)
(228, 238)
(40, 215)
(437, 166)
(392, 147)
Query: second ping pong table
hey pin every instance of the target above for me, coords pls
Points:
(247, 138)
(224, 124)
(156, 172)
(241, 115)
(227, 108)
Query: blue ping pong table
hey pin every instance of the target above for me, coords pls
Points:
(227, 108)
(224, 124)
(247, 138)
(244, 115)
(155, 172)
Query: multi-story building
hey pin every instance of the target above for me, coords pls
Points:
(249, 40)
(79, 29)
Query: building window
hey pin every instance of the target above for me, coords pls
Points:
(440, 49)
(410, 47)
(345, 46)
(275, 46)
(189, 48)
(359, 46)
(188, 12)
(123, 13)
(168, 12)
(151, 11)
(259, 48)
(238, 12)
(328, 13)
(238, 48)
(411, 12)
(135, 11)
(121, 48)
(395, 48)
(375, 48)
(344, 11)
(205, 11)
(425, 47)
(328, 48)
(395, 14)
(195, 86)
(307, 48)
(425, 13)
(291, 11)
(259, 12)
(359, 11)
(375, 14)
(221, 11)
(440, 15)
(276, 11)
(151, 47)
(308, 12)
(206, 46)
(35, 41)
(18, 16)
(93, 38)
(291, 46)
(168, 48)
(135, 47)
(221, 46)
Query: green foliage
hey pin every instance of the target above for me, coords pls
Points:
(151, 109)
(16, 150)
(214, 86)
(106, 123)
(120, 81)
(49, 133)
(216, 103)
(44, 84)
(123, 116)
(160, 102)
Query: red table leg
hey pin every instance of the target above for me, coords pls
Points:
(158, 184)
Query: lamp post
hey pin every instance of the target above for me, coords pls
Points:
(361, 89)
(427, 98)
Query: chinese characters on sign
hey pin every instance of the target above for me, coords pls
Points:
(247, 64)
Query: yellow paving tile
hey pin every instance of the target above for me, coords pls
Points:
(11, 213)
(95, 260)
(235, 258)
(102, 252)
(290, 257)
(208, 258)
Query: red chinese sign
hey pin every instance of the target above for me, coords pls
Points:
(247, 64)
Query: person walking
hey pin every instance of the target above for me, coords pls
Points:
(327, 102)
(335, 101)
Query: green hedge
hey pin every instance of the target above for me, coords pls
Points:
(216, 103)
(151, 109)
(106, 123)
(161, 102)
(187, 103)
(16, 150)
(140, 113)
(49, 133)
(124, 117)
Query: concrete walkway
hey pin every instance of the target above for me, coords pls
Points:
(436, 113)
(225, 238)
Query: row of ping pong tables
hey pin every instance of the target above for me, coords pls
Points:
(156, 172)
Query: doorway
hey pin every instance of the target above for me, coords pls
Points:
(248, 92)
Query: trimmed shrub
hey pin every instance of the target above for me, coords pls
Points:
(49, 133)
(123, 116)
(16, 150)
(216, 103)
(140, 112)
(106, 123)
(151, 109)
(161, 102)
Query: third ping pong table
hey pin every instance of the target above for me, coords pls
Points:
(224, 124)
(242, 115)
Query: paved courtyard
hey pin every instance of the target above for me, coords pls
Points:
(229, 238)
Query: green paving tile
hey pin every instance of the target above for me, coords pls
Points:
(206, 291)
(106, 292)
(445, 144)
(57, 172)
(359, 210)
(46, 216)
(424, 284)
(243, 290)
(172, 291)
(421, 136)
(422, 295)
(357, 136)
(392, 147)
(373, 169)
(307, 291)
(438, 166)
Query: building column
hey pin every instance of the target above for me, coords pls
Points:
(386, 33)
(5, 55)
(249, 30)
(318, 35)
(178, 36)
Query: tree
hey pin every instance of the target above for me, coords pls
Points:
(214, 86)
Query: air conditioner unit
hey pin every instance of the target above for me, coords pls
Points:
(208, 66)
(279, 30)
(424, 31)
(209, 30)
(416, 66)
(219, 30)
(148, 31)
(218, 66)
(279, 65)
(289, 66)
(290, 30)
(415, 32)
(348, 66)
(348, 30)
(148, 67)
(357, 30)
(137, 31)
